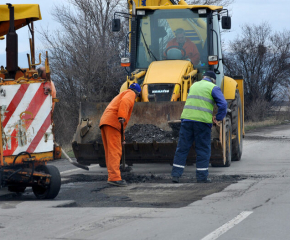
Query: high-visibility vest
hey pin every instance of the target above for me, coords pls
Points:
(199, 103)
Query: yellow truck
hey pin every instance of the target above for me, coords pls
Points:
(27, 98)
(165, 74)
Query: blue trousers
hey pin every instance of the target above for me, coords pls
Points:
(190, 132)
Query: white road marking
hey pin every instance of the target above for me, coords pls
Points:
(227, 226)
(77, 169)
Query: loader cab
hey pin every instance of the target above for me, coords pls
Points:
(154, 29)
(157, 29)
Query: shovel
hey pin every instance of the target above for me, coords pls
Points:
(123, 168)
(123, 147)
(72, 162)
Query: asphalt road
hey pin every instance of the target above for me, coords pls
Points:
(249, 200)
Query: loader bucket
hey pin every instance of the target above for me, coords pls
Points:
(162, 116)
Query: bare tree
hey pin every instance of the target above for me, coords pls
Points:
(263, 58)
(84, 58)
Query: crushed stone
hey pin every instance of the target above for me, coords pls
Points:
(147, 133)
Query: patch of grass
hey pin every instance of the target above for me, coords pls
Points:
(69, 152)
(268, 122)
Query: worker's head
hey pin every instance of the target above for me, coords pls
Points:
(210, 75)
(180, 35)
(136, 88)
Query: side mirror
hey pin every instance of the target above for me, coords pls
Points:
(116, 25)
(226, 22)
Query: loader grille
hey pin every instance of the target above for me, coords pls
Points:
(160, 92)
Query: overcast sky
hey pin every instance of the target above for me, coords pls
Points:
(276, 13)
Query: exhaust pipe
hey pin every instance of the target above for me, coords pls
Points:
(11, 46)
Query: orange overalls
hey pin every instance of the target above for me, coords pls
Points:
(50, 85)
(120, 107)
(190, 49)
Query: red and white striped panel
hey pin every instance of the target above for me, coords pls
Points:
(26, 119)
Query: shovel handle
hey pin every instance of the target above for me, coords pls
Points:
(123, 147)
(74, 163)
(122, 132)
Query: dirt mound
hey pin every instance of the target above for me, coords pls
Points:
(147, 133)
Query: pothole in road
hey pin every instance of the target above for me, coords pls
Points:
(148, 190)
(160, 178)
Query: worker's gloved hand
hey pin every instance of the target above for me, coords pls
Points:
(216, 122)
(121, 120)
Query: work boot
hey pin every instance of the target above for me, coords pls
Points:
(121, 183)
(175, 179)
(208, 180)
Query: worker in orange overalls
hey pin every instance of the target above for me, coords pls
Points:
(48, 86)
(118, 111)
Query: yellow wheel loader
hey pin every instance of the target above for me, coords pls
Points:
(165, 74)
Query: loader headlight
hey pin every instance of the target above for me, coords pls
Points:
(125, 62)
(201, 11)
(212, 60)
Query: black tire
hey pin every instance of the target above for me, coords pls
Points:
(102, 165)
(228, 146)
(228, 143)
(237, 126)
(16, 189)
(51, 191)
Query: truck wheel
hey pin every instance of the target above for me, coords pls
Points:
(237, 126)
(228, 146)
(51, 191)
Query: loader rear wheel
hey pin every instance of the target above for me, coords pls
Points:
(51, 191)
(237, 126)
(228, 146)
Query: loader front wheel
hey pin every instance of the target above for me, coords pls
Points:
(228, 127)
(237, 126)
(51, 191)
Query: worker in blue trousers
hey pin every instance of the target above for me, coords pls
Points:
(196, 122)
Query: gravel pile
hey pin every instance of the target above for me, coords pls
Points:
(147, 133)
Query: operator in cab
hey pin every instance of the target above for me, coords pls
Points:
(118, 111)
(196, 122)
(182, 42)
